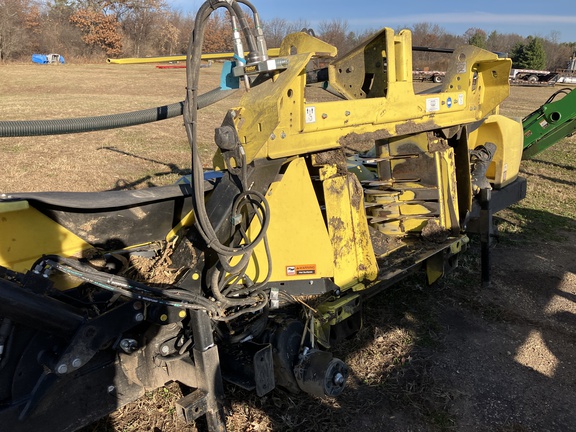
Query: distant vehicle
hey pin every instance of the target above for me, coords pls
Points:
(531, 75)
(434, 76)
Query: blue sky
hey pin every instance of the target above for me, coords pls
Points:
(525, 17)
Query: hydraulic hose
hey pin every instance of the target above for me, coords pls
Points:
(203, 223)
(113, 121)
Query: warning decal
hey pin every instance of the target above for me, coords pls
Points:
(299, 270)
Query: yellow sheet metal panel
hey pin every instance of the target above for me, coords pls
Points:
(353, 255)
(507, 134)
(297, 235)
(447, 188)
(27, 234)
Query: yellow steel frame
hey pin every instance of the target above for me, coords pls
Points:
(274, 119)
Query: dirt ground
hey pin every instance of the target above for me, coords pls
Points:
(509, 350)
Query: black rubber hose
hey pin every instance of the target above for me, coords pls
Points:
(113, 121)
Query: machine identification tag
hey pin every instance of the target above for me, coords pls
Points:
(432, 104)
(303, 269)
(461, 67)
(311, 114)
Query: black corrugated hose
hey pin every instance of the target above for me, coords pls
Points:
(90, 124)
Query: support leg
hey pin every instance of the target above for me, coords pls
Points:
(209, 396)
(485, 235)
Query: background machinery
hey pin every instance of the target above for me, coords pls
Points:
(329, 185)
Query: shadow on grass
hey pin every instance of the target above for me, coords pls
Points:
(554, 164)
(122, 184)
(518, 225)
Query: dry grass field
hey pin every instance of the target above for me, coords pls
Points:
(450, 357)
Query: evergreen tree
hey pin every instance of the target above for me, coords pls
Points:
(476, 37)
(530, 55)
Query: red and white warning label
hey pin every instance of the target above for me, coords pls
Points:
(303, 269)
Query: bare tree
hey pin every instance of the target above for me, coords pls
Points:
(557, 54)
(18, 19)
(432, 36)
(336, 33)
(169, 37)
(141, 22)
(275, 31)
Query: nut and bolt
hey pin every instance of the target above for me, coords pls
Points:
(165, 350)
(128, 345)
(339, 379)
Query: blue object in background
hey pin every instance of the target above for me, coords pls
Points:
(47, 58)
(227, 80)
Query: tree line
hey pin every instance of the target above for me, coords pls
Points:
(91, 30)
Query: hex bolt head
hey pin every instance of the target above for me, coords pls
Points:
(165, 350)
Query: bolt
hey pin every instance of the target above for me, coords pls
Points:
(76, 363)
(139, 317)
(165, 350)
(339, 379)
(272, 137)
(111, 389)
(347, 113)
(283, 135)
(324, 116)
(137, 305)
(128, 345)
(62, 369)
